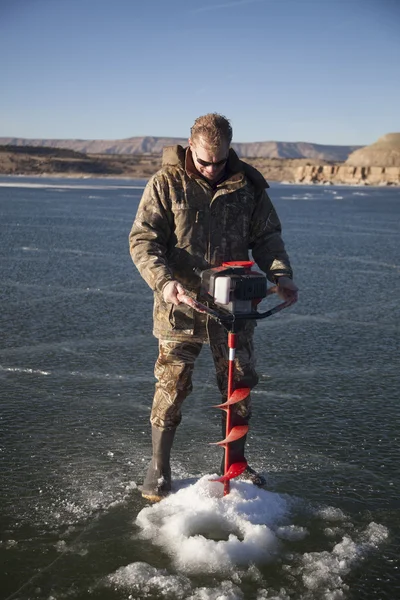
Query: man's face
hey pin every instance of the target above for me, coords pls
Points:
(209, 161)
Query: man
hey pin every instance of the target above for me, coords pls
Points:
(204, 207)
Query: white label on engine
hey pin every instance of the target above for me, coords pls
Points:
(222, 289)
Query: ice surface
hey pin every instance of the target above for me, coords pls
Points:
(325, 570)
(231, 537)
(24, 370)
(143, 580)
(312, 574)
(204, 531)
(72, 186)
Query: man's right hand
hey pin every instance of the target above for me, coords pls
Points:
(171, 291)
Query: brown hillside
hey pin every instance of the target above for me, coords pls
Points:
(155, 145)
(383, 153)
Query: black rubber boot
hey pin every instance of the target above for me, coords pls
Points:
(236, 454)
(157, 483)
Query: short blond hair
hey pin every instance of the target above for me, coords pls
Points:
(214, 128)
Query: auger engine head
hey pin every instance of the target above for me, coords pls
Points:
(234, 286)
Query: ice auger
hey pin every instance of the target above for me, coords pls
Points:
(234, 291)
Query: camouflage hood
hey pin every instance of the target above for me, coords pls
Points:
(184, 224)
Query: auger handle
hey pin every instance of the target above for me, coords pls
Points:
(224, 317)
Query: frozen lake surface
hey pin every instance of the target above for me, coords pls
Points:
(76, 380)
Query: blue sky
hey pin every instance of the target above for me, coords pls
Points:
(323, 71)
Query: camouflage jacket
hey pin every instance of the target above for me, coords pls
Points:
(183, 224)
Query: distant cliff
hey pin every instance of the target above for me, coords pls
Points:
(45, 161)
(28, 160)
(345, 174)
(377, 164)
(154, 145)
(383, 153)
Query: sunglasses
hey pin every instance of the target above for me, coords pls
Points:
(206, 163)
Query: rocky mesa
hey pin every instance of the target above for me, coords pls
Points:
(377, 164)
(154, 145)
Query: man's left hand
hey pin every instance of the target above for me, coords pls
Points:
(287, 290)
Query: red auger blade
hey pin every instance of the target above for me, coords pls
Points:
(235, 434)
(237, 396)
(234, 470)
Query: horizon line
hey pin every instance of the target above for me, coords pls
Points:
(79, 139)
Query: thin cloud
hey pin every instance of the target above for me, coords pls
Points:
(224, 5)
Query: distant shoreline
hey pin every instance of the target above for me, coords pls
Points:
(62, 163)
(78, 179)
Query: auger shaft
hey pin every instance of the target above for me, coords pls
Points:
(231, 371)
(233, 395)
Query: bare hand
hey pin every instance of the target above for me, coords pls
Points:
(171, 291)
(287, 290)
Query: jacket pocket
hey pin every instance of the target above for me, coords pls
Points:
(181, 318)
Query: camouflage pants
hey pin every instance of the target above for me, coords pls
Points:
(174, 369)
